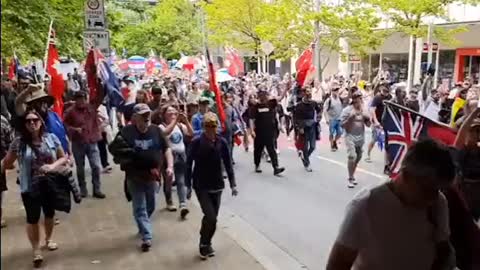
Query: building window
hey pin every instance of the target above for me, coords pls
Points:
(374, 66)
(397, 66)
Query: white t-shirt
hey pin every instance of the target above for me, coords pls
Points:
(176, 139)
(389, 235)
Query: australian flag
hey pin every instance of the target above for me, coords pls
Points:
(404, 126)
(110, 83)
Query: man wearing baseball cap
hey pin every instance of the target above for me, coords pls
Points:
(142, 167)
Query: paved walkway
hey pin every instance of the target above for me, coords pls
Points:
(100, 234)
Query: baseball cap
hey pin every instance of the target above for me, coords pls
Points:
(141, 108)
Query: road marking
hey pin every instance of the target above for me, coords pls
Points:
(382, 177)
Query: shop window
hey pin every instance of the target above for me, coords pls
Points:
(397, 66)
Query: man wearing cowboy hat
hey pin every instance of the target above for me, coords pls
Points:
(35, 98)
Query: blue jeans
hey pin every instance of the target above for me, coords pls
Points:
(335, 128)
(143, 205)
(310, 141)
(80, 150)
(179, 169)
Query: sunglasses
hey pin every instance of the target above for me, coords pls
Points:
(32, 120)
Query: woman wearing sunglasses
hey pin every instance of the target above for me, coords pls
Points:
(38, 153)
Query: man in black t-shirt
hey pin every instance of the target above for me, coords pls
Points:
(142, 167)
(264, 125)
(376, 111)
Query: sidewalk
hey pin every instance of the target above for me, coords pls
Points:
(101, 234)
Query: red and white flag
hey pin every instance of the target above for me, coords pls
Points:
(234, 63)
(57, 85)
(305, 65)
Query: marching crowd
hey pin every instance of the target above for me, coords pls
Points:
(170, 134)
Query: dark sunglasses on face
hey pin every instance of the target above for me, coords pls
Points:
(32, 120)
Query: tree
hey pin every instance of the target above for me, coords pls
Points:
(25, 26)
(235, 22)
(172, 28)
(289, 25)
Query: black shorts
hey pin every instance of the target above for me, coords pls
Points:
(34, 205)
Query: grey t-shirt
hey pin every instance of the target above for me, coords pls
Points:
(355, 128)
(389, 235)
(333, 107)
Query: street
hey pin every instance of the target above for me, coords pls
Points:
(300, 212)
(287, 222)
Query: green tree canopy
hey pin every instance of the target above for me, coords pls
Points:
(25, 26)
(235, 22)
(170, 28)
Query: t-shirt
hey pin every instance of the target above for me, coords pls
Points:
(355, 129)
(127, 111)
(149, 148)
(333, 107)
(176, 139)
(265, 120)
(389, 235)
(377, 103)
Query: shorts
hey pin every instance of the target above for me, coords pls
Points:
(335, 128)
(34, 205)
(354, 150)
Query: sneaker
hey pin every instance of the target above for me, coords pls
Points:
(37, 260)
(107, 169)
(184, 212)
(210, 251)
(335, 145)
(57, 221)
(171, 207)
(354, 181)
(84, 193)
(203, 252)
(278, 170)
(268, 159)
(257, 169)
(386, 170)
(99, 195)
(277, 151)
(308, 169)
(146, 245)
(351, 184)
(368, 160)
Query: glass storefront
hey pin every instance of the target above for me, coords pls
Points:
(397, 66)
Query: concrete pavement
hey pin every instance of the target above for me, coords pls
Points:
(276, 223)
(101, 234)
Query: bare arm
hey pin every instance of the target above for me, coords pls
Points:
(462, 133)
(169, 157)
(169, 128)
(8, 161)
(341, 258)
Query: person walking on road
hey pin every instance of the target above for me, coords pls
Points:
(307, 113)
(82, 124)
(354, 120)
(38, 153)
(206, 154)
(333, 110)
(401, 224)
(176, 128)
(141, 148)
(263, 125)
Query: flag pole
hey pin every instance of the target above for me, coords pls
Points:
(46, 48)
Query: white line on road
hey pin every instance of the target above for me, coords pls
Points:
(382, 177)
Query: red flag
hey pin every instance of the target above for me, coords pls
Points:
(150, 66)
(304, 65)
(12, 69)
(234, 62)
(216, 90)
(91, 70)
(57, 84)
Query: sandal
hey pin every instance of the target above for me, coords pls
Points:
(37, 260)
(51, 245)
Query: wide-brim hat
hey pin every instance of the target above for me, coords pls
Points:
(38, 94)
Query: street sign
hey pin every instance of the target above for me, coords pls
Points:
(97, 39)
(267, 47)
(434, 47)
(95, 15)
(354, 59)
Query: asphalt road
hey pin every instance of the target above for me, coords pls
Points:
(300, 212)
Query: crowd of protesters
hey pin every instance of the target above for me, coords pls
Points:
(170, 133)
